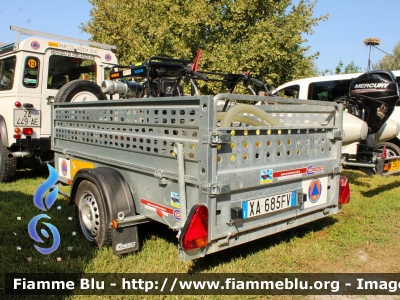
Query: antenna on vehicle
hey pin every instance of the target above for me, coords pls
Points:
(371, 42)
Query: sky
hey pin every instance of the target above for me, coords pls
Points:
(339, 38)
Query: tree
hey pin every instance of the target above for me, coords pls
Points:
(348, 69)
(390, 61)
(264, 36)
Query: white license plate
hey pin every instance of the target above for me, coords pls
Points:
(269, 204)
(26, 118)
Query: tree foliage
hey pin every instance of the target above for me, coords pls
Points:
(390, 61)
(264, 36)
(348, 69)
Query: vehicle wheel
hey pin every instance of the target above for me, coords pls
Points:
(8, 165)
(90, 214)
(78, 91)
(391, 149)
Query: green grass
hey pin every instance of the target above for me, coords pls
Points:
(364, 237)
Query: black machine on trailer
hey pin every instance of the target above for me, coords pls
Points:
(372, 98)
(165, 77)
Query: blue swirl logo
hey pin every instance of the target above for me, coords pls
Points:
(48, 185)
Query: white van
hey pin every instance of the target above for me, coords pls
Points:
(334, 88)
(35, 72)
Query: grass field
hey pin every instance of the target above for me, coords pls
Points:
(364, 237)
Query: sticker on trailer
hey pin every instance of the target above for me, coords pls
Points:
(266, 176)
(76, 165)
(315, 170)
(316, 190)
(162, 211)
(177, 214)
(175, 200)
(290, 174)
(64, 168)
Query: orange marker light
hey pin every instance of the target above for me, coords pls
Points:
(115, 224)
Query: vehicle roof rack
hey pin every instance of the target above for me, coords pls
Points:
(59, 37)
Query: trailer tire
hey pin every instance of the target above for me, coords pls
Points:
(391, 149)
(8, 165)
(91, 215)
(79, 90)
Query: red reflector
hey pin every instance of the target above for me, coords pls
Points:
(17, 136)
(17, 104)
(344, 190)
(195, 232)
(383, 155)
(27, 131)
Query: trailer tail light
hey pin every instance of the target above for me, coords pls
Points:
(27, 131)
(17, 130)
(344, 190)
(17, 136)
(195, 232)
(383, 155)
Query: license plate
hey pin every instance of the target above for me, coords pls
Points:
(394, 165)
(269, 204)
(26, 117)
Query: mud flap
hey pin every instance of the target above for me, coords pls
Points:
(125, 240)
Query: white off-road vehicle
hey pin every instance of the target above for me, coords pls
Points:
(35, 72)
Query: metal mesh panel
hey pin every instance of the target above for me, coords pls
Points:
(273, 147)
(131, 129)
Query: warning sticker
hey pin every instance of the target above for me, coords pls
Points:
(289, 174)
(266, 176)
(175, 200)
(159, 209)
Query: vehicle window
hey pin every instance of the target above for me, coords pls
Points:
(328, 90)
(7, 70)
(107, 73)
(63, 69)
(31, 72)
(290, 92)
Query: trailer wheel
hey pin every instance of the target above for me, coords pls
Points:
(391, 149)
(90, 214)
(78, 91)
(8, 165)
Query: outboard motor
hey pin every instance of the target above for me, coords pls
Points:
(372, 98)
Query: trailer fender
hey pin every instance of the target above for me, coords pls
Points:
(3, 131)
(118, 202)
